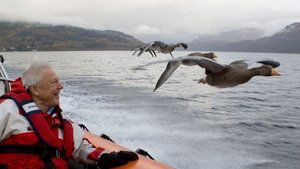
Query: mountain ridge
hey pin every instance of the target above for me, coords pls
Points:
(285, 41)
(22, 36)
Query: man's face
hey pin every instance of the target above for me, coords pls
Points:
(48, 88)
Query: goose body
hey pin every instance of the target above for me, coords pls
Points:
(165, 48)
(229, 77)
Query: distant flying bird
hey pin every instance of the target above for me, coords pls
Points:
(158, 46)
(220, 75)
(209, 55)
(165, 48)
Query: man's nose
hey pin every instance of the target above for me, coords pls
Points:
(60, 85)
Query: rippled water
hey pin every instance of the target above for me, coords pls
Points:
(183, 124)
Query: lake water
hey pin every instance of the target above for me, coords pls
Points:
(184, 124)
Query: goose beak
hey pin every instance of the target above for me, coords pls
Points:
(274, 72)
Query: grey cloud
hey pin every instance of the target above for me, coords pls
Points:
(185, 19)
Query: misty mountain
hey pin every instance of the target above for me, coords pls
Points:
(235, 35)
(21, 36)
(209, 42)
(285, 41)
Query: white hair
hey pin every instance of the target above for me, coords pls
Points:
(32, 75)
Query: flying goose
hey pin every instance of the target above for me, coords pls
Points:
(158, 46)
(165, 48)
(220, 75)
(209, 55)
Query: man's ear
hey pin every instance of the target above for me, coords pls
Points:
(33, 90)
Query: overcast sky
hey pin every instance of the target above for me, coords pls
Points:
(176, 20)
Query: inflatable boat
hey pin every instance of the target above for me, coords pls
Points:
(145, 160)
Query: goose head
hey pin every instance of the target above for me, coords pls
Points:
(267, 70)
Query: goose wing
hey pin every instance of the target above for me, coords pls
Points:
(145, 48)
(209, 55)
(171, 67)
(195, 54)
(160, 44)
(203, 62)
(188, 61)
(272, 63)
(240, 64)
(152, 52)
(253, 62)
(140, 49)
(184, 45)
(136, 50)
(149, 47)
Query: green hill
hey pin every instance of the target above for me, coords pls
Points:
(21, 36)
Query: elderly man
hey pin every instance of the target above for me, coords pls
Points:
(34, 133)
